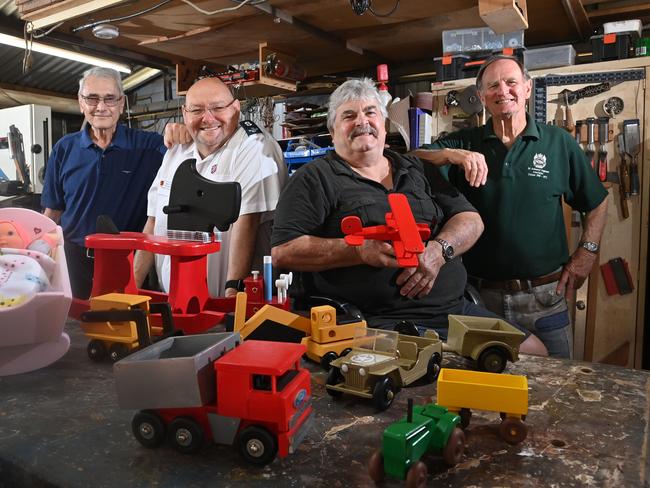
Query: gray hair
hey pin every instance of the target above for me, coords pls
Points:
(97, 72)
(494, 59)
(361, 89)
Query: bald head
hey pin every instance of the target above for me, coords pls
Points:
(211, 114)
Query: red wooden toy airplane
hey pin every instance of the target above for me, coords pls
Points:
(406, 235)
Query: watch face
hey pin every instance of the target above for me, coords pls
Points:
(449, 252)
(590, 246)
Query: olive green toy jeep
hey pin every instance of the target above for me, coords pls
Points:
(383, 361)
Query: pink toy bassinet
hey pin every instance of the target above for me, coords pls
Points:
(31, 333)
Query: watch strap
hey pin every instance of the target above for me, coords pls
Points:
(236, 284)
(590, 246)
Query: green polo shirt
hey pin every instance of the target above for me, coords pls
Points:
(521, 203)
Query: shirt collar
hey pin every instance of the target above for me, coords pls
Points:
(530, 132)
(341, 167)
(119, 138)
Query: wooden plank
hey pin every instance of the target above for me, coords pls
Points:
(629, 10)
(504, 16)
(644, 177)
(578, 17)
(65, 10)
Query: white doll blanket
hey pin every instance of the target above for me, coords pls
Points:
(23, 274)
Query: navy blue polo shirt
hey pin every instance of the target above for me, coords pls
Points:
(84, 180)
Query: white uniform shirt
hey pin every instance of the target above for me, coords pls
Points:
(255, 162)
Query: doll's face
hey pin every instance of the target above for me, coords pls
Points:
(9, 236)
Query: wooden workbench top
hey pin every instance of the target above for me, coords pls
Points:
(588, 426)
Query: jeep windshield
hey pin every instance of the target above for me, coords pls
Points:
(376, 340)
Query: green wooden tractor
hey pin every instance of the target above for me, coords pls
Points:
(425, 428)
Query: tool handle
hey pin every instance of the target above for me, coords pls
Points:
(602, 167)
(634, 179)
(625, 179)
(624, 210)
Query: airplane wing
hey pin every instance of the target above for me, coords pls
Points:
(408, 230)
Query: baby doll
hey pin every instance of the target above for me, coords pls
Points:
(13, 235)
(25, 262)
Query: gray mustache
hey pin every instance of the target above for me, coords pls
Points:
(366, 129)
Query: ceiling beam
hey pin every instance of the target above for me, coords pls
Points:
(284, 16)
(637, 10)
(65, 41)
(13, 95)
(578, 17)
(65, 10)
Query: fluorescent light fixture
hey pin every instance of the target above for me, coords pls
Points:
(139, 77)
(63, 53)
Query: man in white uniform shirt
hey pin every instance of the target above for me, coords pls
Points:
(225, 150)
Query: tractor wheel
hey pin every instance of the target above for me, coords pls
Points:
(327, 358)
(257, 445)
(417, 475)
(148, 429)
(453, 451)
(376, 467)
(117, 351)
(334, 377)
(465, 417)
(513, 430)
(492, 360)
(433, 368)
(185, 435)
(96, 350)
(383, 394)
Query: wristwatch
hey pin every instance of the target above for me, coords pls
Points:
(447, 249)
(236, 284)
(589, 246)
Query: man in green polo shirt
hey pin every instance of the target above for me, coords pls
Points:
(516, 173)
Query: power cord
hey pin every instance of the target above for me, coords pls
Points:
(359, 7)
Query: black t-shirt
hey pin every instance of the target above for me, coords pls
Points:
(324, 191)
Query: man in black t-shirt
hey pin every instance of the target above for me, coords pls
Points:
(356, 179)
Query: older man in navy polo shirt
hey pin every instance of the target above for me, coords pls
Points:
(104, 169)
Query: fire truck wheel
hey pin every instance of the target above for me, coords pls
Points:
(417, 475)
(257, 445)
(117, 351)
(148, 428)
(96, 350)
(376, 467)
(492, 360)
(327, 358)
(383, 394)
(433, 368)
(513, 430)
(185, 435)
(334, 377)
(453, 451)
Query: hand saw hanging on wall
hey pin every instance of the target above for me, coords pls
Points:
(573, 96)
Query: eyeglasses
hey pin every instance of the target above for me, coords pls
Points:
(109, 101)
(195, 112)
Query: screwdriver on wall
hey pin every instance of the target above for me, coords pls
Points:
(603, 129)
(591, 146)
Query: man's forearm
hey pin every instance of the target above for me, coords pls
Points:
(242, 246)
(55, 215)
(438, 157)
(310, 253)
(595, 223)
(462, 231)
(143, 260)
